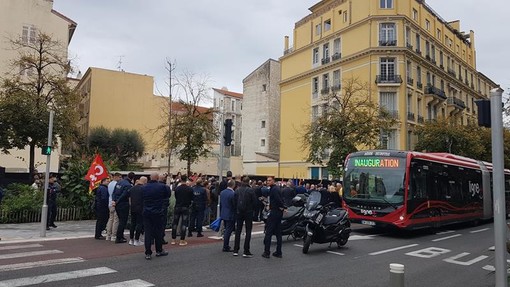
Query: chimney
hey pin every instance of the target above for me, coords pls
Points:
(286, 43)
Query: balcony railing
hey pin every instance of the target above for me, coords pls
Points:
(418, 51)
(456, 102)
(336, 56)
(325, 90)
(387, 42)
(325, 60)
(431, 90)
(419, 85)
(420, 119)
(408, 45)
(410, 116)
(452, 72)
(336, 87)
(388, 79)
(392, 113)
(410, 81)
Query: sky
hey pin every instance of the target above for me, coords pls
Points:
(225, 40)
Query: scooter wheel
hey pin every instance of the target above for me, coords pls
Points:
(342, 242)
(306, 245)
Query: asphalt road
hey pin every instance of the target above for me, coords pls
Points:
(457, 256)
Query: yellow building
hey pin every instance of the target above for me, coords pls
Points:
(420, 67)
(118, 99)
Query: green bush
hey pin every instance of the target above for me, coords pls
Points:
(20, 197)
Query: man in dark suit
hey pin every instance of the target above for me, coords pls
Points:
(273, 225)
(101, 207)
(227, 212)
(245, 205)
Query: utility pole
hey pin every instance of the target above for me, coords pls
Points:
(170, 138)
(44, 211)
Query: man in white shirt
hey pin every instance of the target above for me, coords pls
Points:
(113, 220)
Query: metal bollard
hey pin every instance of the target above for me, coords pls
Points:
(396, 275)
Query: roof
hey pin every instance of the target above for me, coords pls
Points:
(228, 93)
(72, 24)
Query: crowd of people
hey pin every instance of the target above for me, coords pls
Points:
(241, 200)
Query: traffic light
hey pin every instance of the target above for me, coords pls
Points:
(227, 135)
(484, 113)
(46, 150)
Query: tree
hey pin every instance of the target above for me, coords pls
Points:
(123, 146)
(192, 128)
(26, 96)
(350, 119)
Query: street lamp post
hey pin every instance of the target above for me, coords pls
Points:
(44, 212)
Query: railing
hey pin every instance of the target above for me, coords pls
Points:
(456, 102)
(451, 72)
(418, 51)
(387, 42)
(410, 116)
(325, 90)
(410, 81)
(336, 87)
(435, 91)
(420, 119)
(336, 56)
(388, 79)
(63, 214)
(408, 45)
(419, 85)
(325, 60)
(393, 114)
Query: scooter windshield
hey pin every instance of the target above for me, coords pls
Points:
(313, 200)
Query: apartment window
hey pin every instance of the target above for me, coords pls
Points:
(408, 36)
(438, 34)
(336, 46)
(325, 81)
(264, 87)
(409, 103)
(28, 35)
(336, 79)
(441, 60)
(315, 112)
(409, 72)
(233, 105)
(386, 4)
(389, 140)
(345, 16)
(427, 49)
(315, 56)
(262, 142)
(433, 53)
(448, 62)
(442, 85)
(318, 29)
(429, 79)
(387, 68)
(418, 74)
(418, 43)
(263, 124)
(427, 24)
(415, 14)
(327, 25)
(387, 34)
(325, 51)
(418, 108)
(388, 101)
(315, 87)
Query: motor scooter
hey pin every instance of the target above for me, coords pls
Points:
(324, 224)
(293, 220)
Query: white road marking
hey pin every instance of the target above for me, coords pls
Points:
(10, 267)
(31, 253)
(479, 230)
(428, 252)
(257, 232)
(297, 245)
(361, 237)
(12, 247)
(447, 237)
(130, 283)
(27, 281)
(215, 237)
(392, 249)
(336, 253)
(454, 259)
(445, 232)
(489, 268)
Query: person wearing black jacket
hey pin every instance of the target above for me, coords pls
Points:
(198, 208)
(183, 197)
(51, 199)
(136, 202)
(246, 202)
(154, 195)
(120, 200)
(101, 207)
(273, 224)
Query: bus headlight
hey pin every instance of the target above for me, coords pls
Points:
(401, 217)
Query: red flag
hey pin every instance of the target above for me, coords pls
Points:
(96, 173)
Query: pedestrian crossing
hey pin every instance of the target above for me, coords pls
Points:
(30, 255)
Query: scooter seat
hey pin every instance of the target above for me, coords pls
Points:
(334, 216)
(291, 211)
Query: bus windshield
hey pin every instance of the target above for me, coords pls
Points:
(375, 179)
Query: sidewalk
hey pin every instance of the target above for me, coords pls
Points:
(29, 232)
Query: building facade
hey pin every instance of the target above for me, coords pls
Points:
(420, 67)
(261, 120)
(229, 106)
(24, 19)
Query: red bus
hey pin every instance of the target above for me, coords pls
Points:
(412, 190)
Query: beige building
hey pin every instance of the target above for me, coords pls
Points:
(24, 19)
(261, 120)
(419, 66)
(118, 99)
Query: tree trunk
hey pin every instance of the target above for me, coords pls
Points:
(188, 166)
(31, 165)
